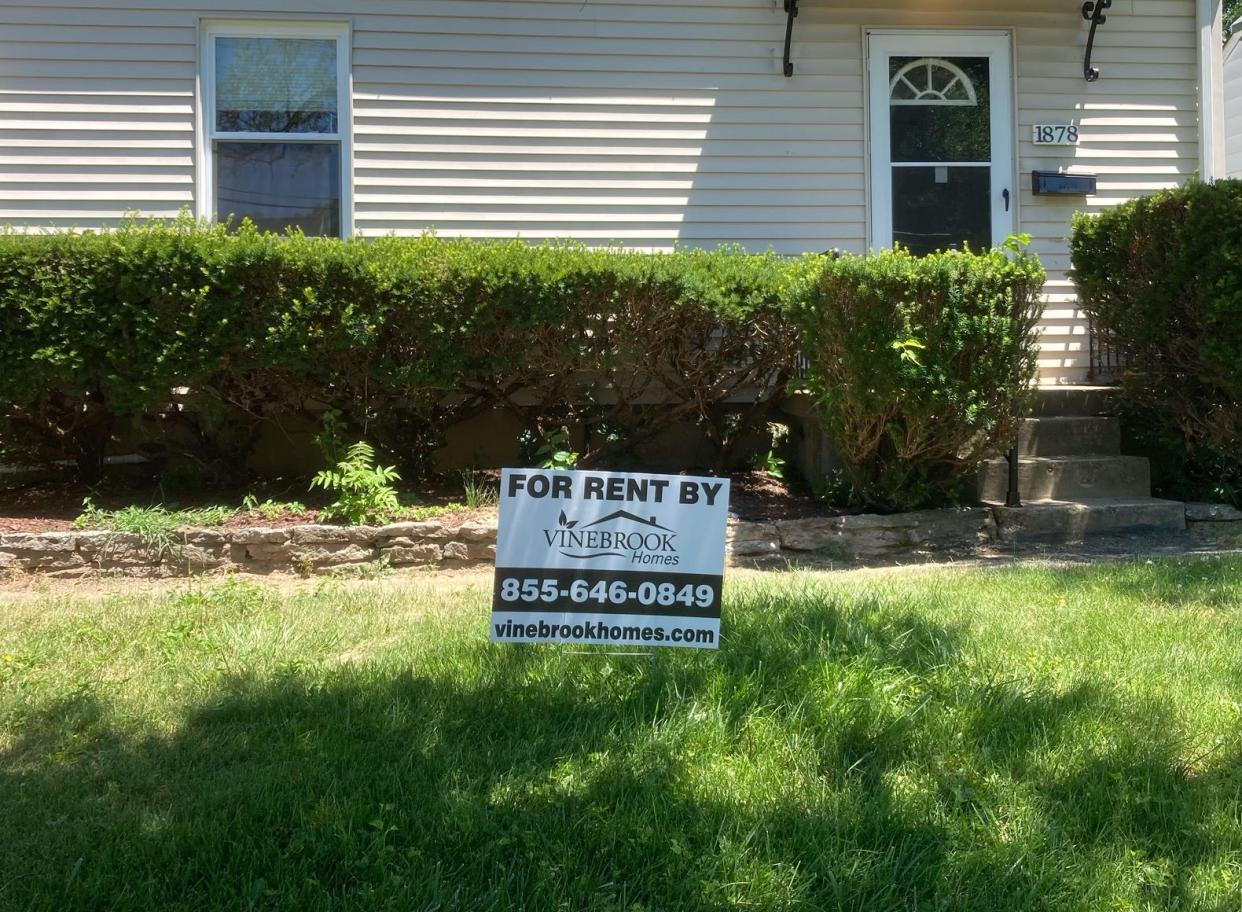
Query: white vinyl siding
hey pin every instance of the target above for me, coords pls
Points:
(1233, 104)
(642, 122)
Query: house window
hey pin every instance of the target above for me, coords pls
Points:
(932, 80)
(276, 113)
(940, 151)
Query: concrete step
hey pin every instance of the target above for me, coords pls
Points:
(1064, 521)
(1067, 477)
(1070, 436)
(1074, 401)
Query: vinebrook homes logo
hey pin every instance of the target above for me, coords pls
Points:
(609, 557)
(619, 534)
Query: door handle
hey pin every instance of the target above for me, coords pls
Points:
(1005, 196)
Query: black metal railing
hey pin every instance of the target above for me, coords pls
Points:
(1106, 360)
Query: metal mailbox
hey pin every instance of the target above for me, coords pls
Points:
(1058, 184)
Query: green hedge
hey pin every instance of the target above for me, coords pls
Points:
(406, 336)
(403, 337)
(1163, 276)
(920, 365)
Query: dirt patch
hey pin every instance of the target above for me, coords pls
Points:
(53, 506)
(759, 497)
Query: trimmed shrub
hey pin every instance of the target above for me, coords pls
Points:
(402, 336)
(1163, 276)
(202, 338)
(107, 325)
(920, 365)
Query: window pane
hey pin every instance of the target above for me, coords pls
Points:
(939, 109)
(940, 208)
(281, 185)
(276, 85)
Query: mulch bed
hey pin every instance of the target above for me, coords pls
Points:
(53, 506)
(758, 497)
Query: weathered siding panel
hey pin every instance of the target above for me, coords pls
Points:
(642, 122)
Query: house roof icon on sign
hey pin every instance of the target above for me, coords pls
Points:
(627, 515)
(617, 516)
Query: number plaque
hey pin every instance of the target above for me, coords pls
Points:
(1055, 134)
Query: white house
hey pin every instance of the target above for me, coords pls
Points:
(1233, 102)
(798, 125)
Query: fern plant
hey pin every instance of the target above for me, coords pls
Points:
(364, 490)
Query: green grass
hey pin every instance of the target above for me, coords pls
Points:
(157, 526)
(431, 511)
(1018, 739)
(273, 510)
(150, 520)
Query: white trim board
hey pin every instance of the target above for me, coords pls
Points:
(1209, 18)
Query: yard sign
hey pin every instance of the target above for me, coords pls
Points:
(609, 558)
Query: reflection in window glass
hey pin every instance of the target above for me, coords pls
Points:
(941, 208)
(276, 85)
(280, 185)
(939, 109)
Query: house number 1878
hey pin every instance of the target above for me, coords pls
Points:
(1056, 135)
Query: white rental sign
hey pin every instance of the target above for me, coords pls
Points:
(609, 558)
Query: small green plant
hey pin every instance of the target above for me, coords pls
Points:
(303, 564)
(770, 463)
(329, 439)
(376, 569)
(272, 510)
(554, 451)
(91, 517)
(835, 489)
(364, 490)
(480, 492)
(431, 511)
(156, 527)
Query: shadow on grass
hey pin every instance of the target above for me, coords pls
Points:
(825, 759)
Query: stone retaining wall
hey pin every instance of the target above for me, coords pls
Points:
(303, 549)
(1217, 524)
(866, 536)
(433, 543)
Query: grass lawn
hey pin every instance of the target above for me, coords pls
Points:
(1003, 739)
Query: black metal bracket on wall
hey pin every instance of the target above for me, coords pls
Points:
(1093, 12)
(791, 13)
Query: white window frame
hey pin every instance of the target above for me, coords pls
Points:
(997, 46)
(209, 31)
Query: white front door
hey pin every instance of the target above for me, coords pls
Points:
(942, 168)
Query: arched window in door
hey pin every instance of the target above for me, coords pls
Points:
(931, 81)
